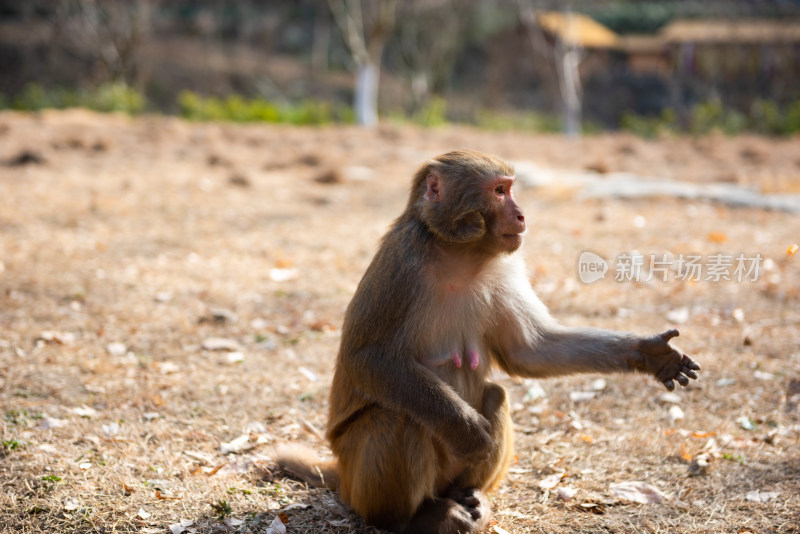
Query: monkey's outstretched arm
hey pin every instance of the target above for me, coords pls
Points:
(529, 342)
(399, 383)
(560, 350)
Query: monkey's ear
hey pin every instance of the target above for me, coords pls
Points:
(433, 192)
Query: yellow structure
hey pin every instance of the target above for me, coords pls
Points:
(575, 29)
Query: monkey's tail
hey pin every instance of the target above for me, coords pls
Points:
(304, 463)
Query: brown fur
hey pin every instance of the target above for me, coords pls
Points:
(419, 433)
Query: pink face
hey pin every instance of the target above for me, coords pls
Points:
(509, 224)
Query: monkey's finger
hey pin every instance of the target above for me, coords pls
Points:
(669, 384)
(682, 380)
(690, 373)
(690, 363)
(669, 334)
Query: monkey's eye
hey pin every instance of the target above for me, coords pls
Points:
(499, 191)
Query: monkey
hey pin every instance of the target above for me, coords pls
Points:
(419, 433)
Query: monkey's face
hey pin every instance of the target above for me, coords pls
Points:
(506, 220)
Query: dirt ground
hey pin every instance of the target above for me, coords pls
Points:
(171, 295)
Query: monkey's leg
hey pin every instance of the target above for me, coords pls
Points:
(486, 475)
(388, 465)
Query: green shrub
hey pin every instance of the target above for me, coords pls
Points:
(433, 113)
(236, 108)
(650, 127)
(107, 97)
(791, 119)
(765, 117)
(115, 97)
(524, 121)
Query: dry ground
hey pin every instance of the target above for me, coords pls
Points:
(127, 246)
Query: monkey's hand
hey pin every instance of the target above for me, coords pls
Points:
(654, 355)
(474, 441)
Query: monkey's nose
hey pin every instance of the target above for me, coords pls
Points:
(521, 218)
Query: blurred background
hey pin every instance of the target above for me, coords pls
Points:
(642, 66)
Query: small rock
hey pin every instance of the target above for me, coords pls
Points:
(699, 466)
(675, 414)
(330, 177)
(239, 180)
(221, 316)
(26, 157)
(582, 396)
(235, 357)
(668, 398)
(116, 348)
(678, 315)
(599, 384)
(282, 275)
(746, 423)
(219, 343)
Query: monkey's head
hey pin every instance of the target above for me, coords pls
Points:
(465, 197)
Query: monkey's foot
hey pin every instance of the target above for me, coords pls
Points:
(474, 502)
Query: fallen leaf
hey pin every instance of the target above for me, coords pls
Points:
(308, 373)
(587, 439)
(160, 496)
(240, 444)
(792, 250)
(216, 469)
(685, 454)
(143, 514)
(295, 506)
(746, 423)
(640, 492)
(60, 338)
(71, 503)
(220, 343)
(47, 422)
(565, 493)
(703, 434)
(762, 496)
(277, 526)
(127, 490)
(180, 527)
(499, 530)
(551, 481)
(85, 411)
(717, 237)
(593, 507)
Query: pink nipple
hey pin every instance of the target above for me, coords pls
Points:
(473, 359)
(456, 357)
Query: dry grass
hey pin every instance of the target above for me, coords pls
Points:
(156, 235)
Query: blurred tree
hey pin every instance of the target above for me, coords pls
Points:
(366, 25)
(563, 53)
(114, 30)
(430, 35)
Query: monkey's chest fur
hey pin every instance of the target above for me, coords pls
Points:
(452, 332)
